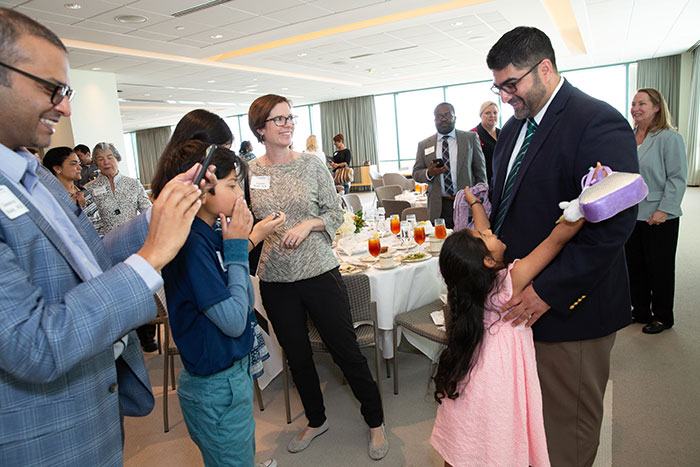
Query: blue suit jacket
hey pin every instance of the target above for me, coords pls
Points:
(586, 285)
(59, 404)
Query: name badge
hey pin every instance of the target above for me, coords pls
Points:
(10, 205)
(260, 182)
(429, 150)
(102, 190)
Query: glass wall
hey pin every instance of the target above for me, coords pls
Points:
(406, 118)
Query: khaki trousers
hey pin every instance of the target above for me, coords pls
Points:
(573, 376)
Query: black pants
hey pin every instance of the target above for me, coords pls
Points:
(447, 212)
(325, 299)
(146, 333)
(651, 262)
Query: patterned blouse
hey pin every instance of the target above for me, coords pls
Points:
(303, 189)
(116, 208)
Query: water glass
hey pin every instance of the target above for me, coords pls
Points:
(381, 227)
(411, 218)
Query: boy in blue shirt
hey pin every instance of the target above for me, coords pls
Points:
(210, 301)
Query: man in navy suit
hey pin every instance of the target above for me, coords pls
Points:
(69, 363)
(576, 305)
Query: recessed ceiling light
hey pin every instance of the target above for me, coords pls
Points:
(477, 38)
(147, 95)
(179, 28)
(216, 36)
(251, 85)
(456, 23)
(73, 6)
(302, 54)
(96, 68)
(284, 89)
(130, 19)
(211, 81)
(370, 70)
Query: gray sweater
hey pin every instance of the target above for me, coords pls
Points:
(303, 189)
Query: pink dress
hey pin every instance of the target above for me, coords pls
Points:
(497, 420)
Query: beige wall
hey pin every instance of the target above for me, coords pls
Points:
(95, 116)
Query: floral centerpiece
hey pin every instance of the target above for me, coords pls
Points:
(359, 221)
(348, 225)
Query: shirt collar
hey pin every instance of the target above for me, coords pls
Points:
(16, 163)
(451, 134)
(540, 114)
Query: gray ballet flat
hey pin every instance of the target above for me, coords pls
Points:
(378, 452)
(298, 446)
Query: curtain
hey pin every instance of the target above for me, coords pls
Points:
(664, 75)
(149, 146)
(693, 143)
(356, 120)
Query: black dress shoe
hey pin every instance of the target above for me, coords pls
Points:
(150, 346)
(654, 327)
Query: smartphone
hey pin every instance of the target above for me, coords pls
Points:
(277, 214)
(207, 160)
(439, 162)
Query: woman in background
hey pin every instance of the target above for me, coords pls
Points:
(312, 148)
(64, 163)
(341, 158)
(246, 151)
(488, 134)
(651, 249)
(119, 199)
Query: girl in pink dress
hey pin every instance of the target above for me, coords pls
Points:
(490, 411)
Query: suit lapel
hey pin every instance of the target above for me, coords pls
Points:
(461, 152)
(646, 145)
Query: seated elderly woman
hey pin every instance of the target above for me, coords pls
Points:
(119, 199)
(64, 163)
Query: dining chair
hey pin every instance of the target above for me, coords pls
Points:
(398, 179)
(353, 201)
(392, 206)
(364, 319)
(169, 352)
(388, 192)
(421, 213)
(375, 177)
(419, 322)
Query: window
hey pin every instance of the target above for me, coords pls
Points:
(388, 156)
(131, 154)
(415, 121)
(467, 99)
(608, 84)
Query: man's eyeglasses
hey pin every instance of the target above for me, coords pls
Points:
(58, 91)
(511, 86)
(282, 121)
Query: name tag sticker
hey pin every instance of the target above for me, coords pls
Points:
(260, 182)
(102, 190)
(429, 150)
(10, 205)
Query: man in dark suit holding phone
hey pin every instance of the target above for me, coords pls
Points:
(448, 161)
(576, 305)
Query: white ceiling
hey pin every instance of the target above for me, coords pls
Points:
(333, 49)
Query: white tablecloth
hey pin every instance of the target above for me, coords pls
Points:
(416, 200)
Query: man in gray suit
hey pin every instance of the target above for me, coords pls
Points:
(448, 161)
(69, 363)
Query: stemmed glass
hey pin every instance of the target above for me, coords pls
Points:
(405, 229)
(395, 224)
(381, 227)
(419, 234)
(440, 231)
(374, 246)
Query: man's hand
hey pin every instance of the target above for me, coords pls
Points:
(171, 219)
(434, 170)
(241, 221)
(526, 308)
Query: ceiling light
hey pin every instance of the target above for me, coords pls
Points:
(251, 85)
(370, 70)
(216, 36)
(73, 6)
(96, 68)
(130, 19)
(456, 23)
(147, 95)
(476, 38)
(284, 89)
(302, 54)
(211, 81)
(171, 102)
(179, 28)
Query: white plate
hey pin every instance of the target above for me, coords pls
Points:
(368, 259)
(407, 246)
(392, 266)
(418, 260)
(346, 268)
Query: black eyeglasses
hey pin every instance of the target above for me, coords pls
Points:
(447, 117)
(511, 86)
(58, 91)
(282, 121)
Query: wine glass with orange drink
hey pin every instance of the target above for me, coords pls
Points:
(440, 230)
(374, 246)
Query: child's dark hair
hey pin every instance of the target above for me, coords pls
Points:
(469, 282)
(183, 157)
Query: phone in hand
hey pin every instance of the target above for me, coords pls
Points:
(277, 215)
(207, 160)
(439, 163)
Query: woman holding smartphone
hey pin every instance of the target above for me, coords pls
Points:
(299, 274)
